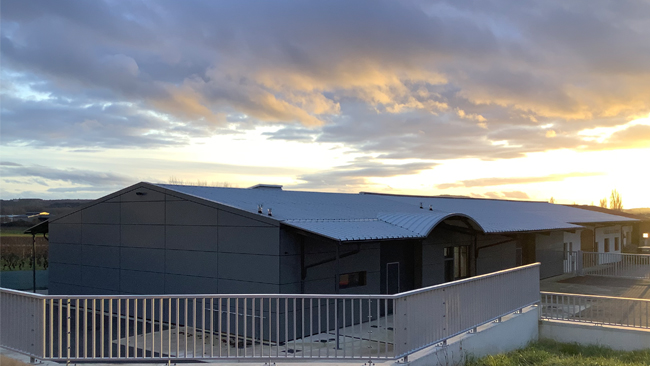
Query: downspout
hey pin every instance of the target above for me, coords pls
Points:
(34, 261)
(303, 269)
(338, 267)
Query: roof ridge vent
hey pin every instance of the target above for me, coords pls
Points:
(266, 186)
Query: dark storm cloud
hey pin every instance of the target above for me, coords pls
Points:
(396, 79)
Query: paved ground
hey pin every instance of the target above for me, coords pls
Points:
(595, 285)
(632, 313)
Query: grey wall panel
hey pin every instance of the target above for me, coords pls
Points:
(496, 258)
(144, 196)
(73, 218)
(138, 282)
(191, 263)
(179, 284)
(432, 275)
(65, 273)
(290, 270)
(291, 288)
(432, 254)
(231, 219)
(57, 288)
(252, 240)
(365, 260)
(143, 259)
(64, 253)
(321, 286)
(97, 234)
(136, 213)
(290, 242)
(65, 233)
(98, 291)
(100, 256)
(248, 267)
(101, 213)
(101, 278)
(143, 236)
(243, 287)
(171, 197)
(190, 213)
(201, 238)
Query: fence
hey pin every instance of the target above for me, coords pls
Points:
(618, 311)
(635, 266)
(270, 326)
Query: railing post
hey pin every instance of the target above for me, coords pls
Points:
(579, 260)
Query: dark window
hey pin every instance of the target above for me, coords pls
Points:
(456, 262)
(617, 244)
(606, 245)
(354, 279)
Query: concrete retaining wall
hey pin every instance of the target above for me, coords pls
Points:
(618, 338)
(513, 332)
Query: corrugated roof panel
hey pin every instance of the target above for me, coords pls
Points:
(418, 223)
(402, 212)
(351, 230)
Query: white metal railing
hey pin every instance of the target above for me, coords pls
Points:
(616, 265)
(269, 326)
(604, 310)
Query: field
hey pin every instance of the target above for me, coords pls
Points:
(16, 252)
(550, 353)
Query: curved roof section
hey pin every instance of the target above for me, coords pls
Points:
(512, 216)
(423, 223)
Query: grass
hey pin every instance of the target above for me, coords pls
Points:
(14, 231)
(551, 353)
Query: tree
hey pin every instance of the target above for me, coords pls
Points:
(603, 202)
(615, 201)
(552, 200)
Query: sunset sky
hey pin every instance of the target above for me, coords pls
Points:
(497, 99)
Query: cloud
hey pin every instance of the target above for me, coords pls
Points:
(490, 182)
(357, 173)
(404, 80)
(516, 195)
(71, 176)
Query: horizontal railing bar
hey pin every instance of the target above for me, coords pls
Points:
(273, 296)
(616, 253)
(467, 280)
(592, 296)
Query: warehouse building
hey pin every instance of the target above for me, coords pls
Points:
(173, 239)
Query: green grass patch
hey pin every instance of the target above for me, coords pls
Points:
(14, 231)
(551, 353)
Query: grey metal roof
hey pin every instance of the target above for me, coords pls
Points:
(420, 223)
(513, 216)
(347, 230)
(345, 217)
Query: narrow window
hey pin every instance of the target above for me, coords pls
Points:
(457, 262)
(354, 279)
(606, 245)
(617, 244)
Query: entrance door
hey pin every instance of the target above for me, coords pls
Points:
(392, 278)
(397, 267)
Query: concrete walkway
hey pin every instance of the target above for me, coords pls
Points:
(597, 285)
